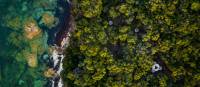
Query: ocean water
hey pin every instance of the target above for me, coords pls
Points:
(24, 26)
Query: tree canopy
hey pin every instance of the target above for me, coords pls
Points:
(116, 43)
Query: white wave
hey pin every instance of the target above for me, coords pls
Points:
(61, 65)
(53, 82)
(60, 84)
(55, 57)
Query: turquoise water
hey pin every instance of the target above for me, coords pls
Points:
(21, 50)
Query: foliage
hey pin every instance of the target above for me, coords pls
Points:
(122, 54)
(89, 8)
(195, 6)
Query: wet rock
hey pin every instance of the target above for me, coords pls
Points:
(49, 73)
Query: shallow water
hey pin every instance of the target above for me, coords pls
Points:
(21, 52)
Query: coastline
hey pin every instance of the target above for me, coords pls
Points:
(60, 42)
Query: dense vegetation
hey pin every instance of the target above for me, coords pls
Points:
(116, 42)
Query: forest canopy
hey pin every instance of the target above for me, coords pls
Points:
(116, 43)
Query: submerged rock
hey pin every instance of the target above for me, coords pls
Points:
(32, 60)
(49, 73)
(31, 28)
(48, 19)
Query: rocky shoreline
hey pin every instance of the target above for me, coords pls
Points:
(60, 42)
